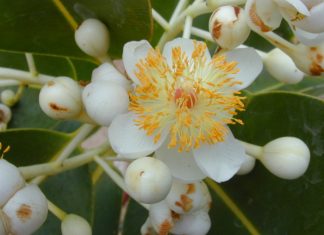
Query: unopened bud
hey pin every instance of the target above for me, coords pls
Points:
(197, 223)
(26, 211)
(148, 180)
(161, 217)
(286, 157)
(185, 198)
(5, 114)
(282, 67)
(8, 97)
(75, 225)
(107, 72)
(228, 27)
(247, 166)
(61, 99)
(92, 37)
(104, 100)
(10, 180)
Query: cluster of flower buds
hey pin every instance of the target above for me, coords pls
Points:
(99, 101)
(285, 157)
(5, 116)
(184, 211)
(23, 207)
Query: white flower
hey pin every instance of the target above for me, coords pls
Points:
(180, 106)
(304, 17)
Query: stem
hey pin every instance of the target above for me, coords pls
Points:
(52, 168)
(23, 76)
(278, 41)
(187, 27)
(83, 132)
(8, 82)
(58, 212)
(202, 34)
(31, 64)
(193, 11)
(160, 20)
(114, 176)
(218, 3)
(253, 150)
(180, 6)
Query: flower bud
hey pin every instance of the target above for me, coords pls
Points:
(75, 225)
(10, 181)
(107, 72)
(282, 67)
(26, 211)
(5, 114)
(228, 27)
(8, 97)
(247, 166)
(148, 180)
(286, 157)
(104, 100)
(197, 223)
(185, 198)
(207, 199)
(61, 98)
(147, 228)
(92, 37)
(161, 217)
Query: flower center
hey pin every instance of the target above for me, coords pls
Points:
(192, 97)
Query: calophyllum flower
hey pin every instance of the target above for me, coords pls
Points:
(304, 17)
(180, 106)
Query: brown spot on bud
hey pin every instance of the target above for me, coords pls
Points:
(51, 83)
(83, 83)
(141, 173)
(319, 58)
(165, 227)
(185, 203)
(24, 212)
(216, 32)
(257, 20)
(175, 215)
(191, 188)
(237, 11)
(2, 116)
(316, 69)
(57, 107)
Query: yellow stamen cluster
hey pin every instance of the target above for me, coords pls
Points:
(193, 99)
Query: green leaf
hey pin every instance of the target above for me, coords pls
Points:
(32, 146)
(47, 27)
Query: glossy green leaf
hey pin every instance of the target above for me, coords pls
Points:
(47, 27)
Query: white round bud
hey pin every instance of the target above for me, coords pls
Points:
(104, 100)
(228, 26)
(282, 67)
(197, 223)
(92, 37)
(207, 199)
(61, 98)
(148, 180)
(247, 166)
(161, 217)
(75, 225)
(107, 72)
(8, 97)
(286, 157)
(10, 180)
(185, 198)
(26, 211)
(5, 113)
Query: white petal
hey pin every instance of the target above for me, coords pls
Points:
(309, 39)
(312, 23)
(128, 140)
(268, 11)
(249, 63)
(187, 45)
(297, 4)
(221, 161)
(182, 164)
(133, 52)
